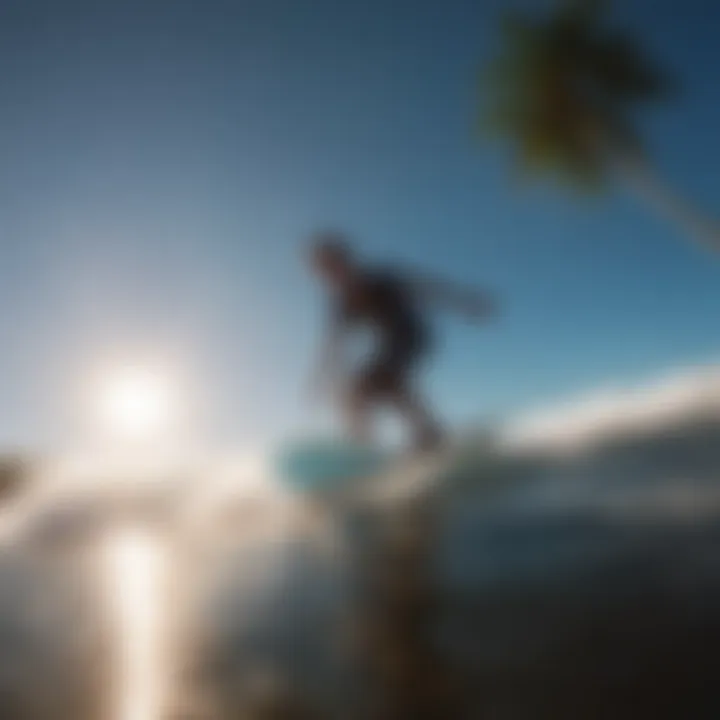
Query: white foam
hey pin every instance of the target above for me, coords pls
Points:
(615, 411)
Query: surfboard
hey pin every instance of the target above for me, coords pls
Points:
(321, 464)
(337, 475)
(336, 468)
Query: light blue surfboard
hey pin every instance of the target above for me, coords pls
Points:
(339, 468)
(319, 465)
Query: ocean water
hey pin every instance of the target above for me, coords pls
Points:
(582, 584)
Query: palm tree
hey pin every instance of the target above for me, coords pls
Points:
(564, 91)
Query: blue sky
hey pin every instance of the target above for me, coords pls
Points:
(162, 161)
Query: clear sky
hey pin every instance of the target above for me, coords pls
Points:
(161, 162)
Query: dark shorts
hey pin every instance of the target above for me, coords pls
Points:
(391, 367)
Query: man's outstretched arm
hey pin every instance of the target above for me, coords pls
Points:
(473, 303)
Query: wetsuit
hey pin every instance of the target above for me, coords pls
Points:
(382, 301)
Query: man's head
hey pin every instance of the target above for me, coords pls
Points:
(331, 258)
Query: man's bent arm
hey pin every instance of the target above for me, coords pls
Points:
(329, 365)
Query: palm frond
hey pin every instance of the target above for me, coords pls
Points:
(561, 90)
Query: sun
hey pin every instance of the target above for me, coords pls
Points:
(136, 402)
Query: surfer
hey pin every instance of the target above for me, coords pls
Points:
(392, 305)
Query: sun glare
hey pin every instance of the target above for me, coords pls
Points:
(136, 403)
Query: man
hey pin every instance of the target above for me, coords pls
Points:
(391, 305)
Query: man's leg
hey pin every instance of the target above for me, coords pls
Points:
(427, 432)
(357, 420)
(399, 370)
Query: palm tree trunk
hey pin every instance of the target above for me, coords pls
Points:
(638, 175)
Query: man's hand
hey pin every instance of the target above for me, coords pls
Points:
(330, 391)
(315, 390)
(325, 386)
(482, 307)
(325, 381)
